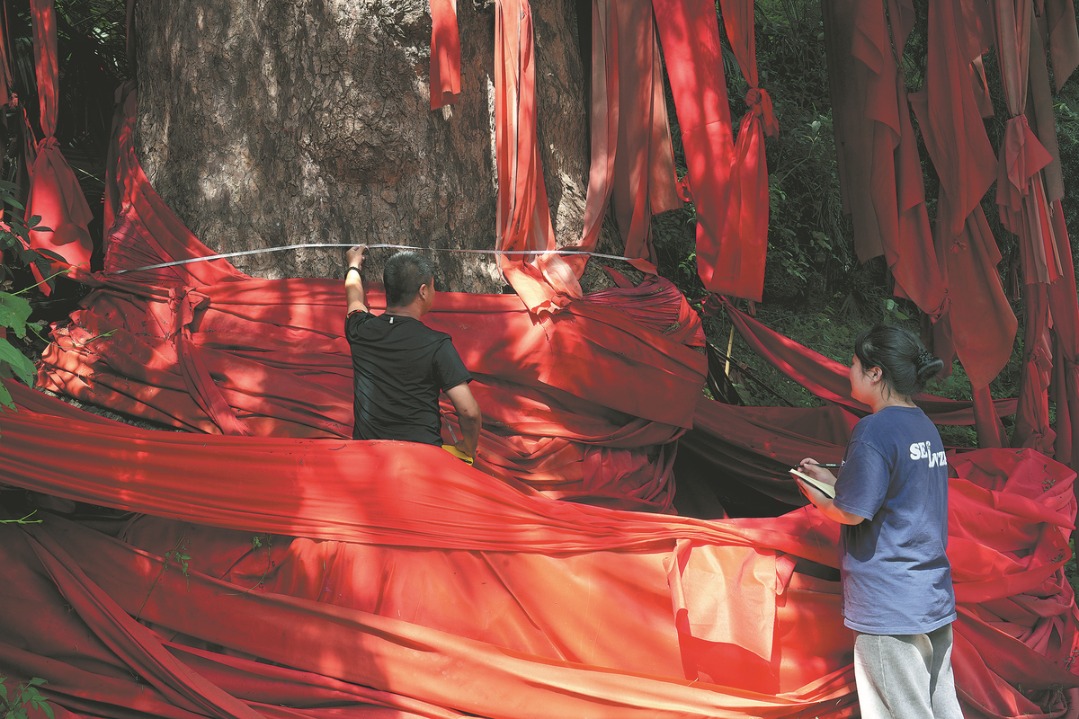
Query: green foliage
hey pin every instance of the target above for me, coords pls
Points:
(24, 700)
(15, 309)
(178, 555)
(809, 235)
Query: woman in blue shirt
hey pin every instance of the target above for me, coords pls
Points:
(891, 497)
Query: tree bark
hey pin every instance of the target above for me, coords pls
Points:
(273, 122)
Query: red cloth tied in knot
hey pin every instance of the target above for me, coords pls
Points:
(1021, 157)
(55, 197)
(760, 104)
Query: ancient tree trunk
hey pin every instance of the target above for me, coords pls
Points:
(272, 122)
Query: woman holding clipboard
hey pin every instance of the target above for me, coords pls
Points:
(891, 496)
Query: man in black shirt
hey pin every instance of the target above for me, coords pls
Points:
(400, 365)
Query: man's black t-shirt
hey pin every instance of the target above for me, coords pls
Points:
(400, 365)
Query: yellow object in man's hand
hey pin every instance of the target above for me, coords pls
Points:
(459, 454)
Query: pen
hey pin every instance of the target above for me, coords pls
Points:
(831, 465)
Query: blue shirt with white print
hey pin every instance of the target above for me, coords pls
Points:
(895, 570)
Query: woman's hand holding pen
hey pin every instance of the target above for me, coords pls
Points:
(817, 471)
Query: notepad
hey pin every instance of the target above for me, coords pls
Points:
(826, 489)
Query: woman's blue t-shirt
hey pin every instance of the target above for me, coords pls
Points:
(896, 575)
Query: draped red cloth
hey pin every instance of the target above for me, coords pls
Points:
(880, 171)
(632, 160)
(277, 569)
(1063, 39)
(979, 324)
(748, 221)
(689, 34)
(544, 281)
(827, 379)
(1027, 210)
(445, 54)
(55, 195)
(1064, 310)
(198, 346)
(401, 583)
(6, 86)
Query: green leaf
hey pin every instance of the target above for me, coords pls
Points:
(3, 687)
(14, 312)
(37, 682)
(20, 366)
(41, 704)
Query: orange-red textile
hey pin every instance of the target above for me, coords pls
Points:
(828, 379)
(418, 586)
(55, 195)
(1064, 306)
(523, 222)
(202, 347)
(1024, 205)
(1027, 210)
(689, 33)
(748, 220)
(979, 323)
(445, 54)
(878, 155)
(632, 160)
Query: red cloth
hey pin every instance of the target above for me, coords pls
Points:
(6, 87)
(544, 281)
(1064, 307)
(447, 590)
(1021, 196)
(198, 346)
(1063, 39)
(879, 165)
(827, 379)
(979, 323)
(1026, 209)
(632, 160)
(748, 221)
(445, 54)
(55, 195)
(689, 33)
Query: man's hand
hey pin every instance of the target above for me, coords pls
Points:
(355, 295)
(468, 416)
(355, 256)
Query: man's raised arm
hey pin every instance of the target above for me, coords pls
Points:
(355, 294)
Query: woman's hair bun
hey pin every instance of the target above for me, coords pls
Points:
(928, 366)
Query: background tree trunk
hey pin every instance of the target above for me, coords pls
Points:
(271, 122)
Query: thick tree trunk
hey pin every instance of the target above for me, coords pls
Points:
(272, 122)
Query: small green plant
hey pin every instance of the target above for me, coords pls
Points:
(14, 309)
(24, 699)
(177, 555)
(23, 520)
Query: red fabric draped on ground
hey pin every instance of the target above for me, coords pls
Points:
(394, 583)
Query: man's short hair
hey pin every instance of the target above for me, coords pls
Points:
(403, 275)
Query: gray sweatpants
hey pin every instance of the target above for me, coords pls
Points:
(906, 677)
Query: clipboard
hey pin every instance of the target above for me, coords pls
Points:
(826, 489)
